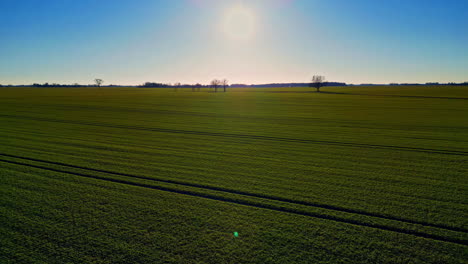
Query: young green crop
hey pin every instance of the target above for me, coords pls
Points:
(176, 174)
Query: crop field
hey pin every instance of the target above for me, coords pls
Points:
(133, 175)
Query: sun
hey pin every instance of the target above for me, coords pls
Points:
(239, 22)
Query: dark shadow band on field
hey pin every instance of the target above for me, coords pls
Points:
(245, 136)
(399, 96)
(287, 91)
(231, 191)
(367, 94)
(283, 209)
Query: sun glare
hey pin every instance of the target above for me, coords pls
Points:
(239, 22)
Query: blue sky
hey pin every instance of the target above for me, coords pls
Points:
(245, 41)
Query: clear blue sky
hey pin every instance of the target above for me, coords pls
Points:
(249, 41)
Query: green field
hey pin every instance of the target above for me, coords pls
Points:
(131, 175)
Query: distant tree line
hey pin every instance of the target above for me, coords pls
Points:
(216, 84)
(60, 85)
(154, 85)
(279, 85)
(168, 85)
(429, 83)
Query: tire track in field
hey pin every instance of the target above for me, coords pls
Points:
(244, 136)
(316, 180)
(250, 194)
(277, 208)
(401, 96)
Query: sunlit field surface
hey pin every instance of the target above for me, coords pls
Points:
(134, 175)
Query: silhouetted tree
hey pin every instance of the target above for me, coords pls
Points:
(176, 86)
(196, 87)
(215, 84)
(225, 84)
(98, 82)
(317, 82)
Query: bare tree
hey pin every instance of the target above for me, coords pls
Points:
(225, 84)
(317, 82)
(98, 82)
(196, 87)
(215, 84)
(176, 86)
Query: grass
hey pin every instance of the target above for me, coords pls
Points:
(125, 175)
